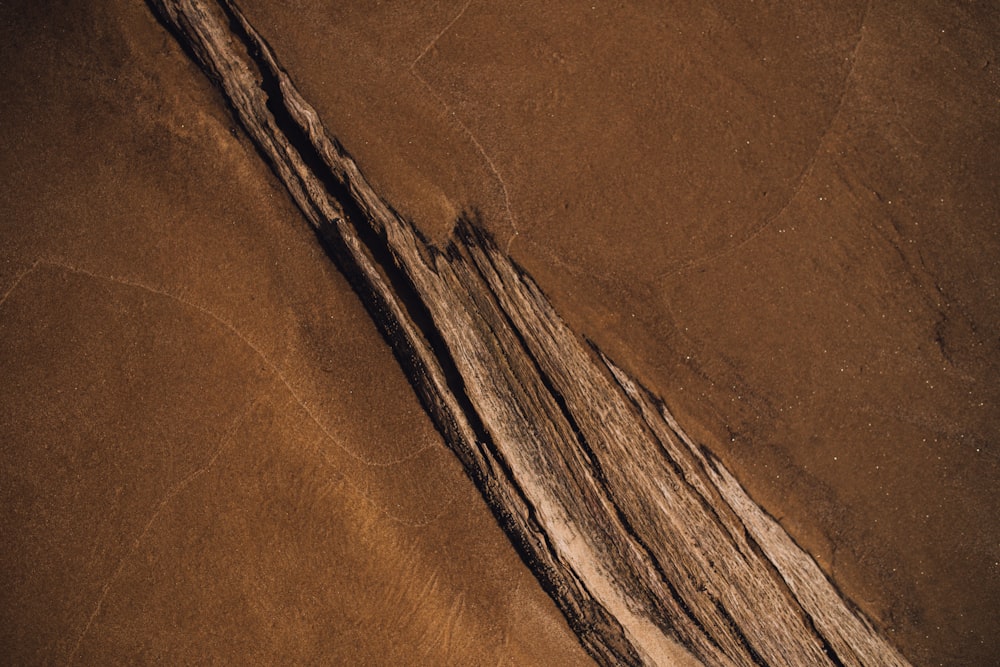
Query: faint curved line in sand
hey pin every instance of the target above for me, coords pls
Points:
(246, 341)
(326, 435)
(376, 506)
(465, 128)
(17, 281)
(178, 488)
(757, 229)
(174, 491)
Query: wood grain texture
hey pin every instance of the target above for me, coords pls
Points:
(651, 548)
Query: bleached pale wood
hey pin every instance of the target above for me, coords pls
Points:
(650, 547)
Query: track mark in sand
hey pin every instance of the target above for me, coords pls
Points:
(17, 281)
(445, 636)
(226, 324)
(804, 174)
(371, 502)
(427, 608)
(465, 128)
(175, 491)
(504, 652)
(453, 21)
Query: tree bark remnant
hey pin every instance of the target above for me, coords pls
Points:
(651, 548)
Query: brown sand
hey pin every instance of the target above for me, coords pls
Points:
(784, 222)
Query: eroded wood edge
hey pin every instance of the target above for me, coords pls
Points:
(647, 543)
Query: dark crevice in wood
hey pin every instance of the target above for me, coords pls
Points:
(735, 627)
(472, 236)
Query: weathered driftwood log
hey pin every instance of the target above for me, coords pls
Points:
(650, 547)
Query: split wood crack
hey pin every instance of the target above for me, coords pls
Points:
(649, 546)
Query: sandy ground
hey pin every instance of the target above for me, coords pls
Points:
(784, 221)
